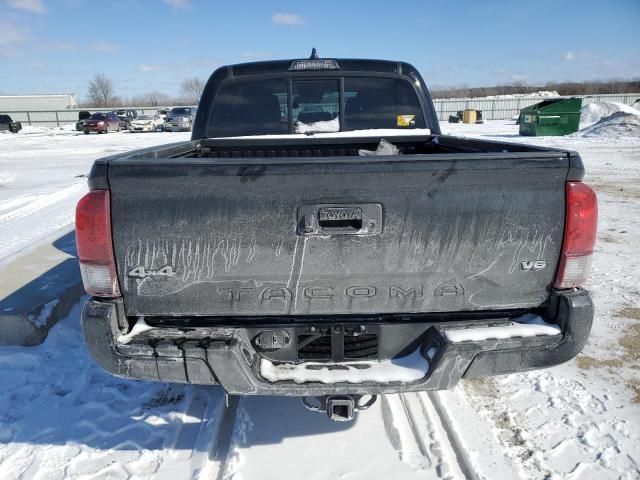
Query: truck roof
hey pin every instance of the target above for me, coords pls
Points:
(344, 65)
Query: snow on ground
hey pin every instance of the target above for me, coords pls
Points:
(61, 416)
(582, 419)
(43, 175)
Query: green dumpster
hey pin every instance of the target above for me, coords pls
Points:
(551, 117)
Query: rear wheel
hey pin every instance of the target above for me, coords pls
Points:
(86, 132)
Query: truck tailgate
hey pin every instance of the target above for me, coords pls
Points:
(342, 235)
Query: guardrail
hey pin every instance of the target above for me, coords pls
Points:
(492, 108)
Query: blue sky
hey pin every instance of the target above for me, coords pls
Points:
(56, 46)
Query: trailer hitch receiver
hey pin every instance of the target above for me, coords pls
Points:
(339, 408)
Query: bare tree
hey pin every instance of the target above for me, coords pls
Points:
(595, 87)
(149, 99)
(156, 99)
(101, 91)
(192, 89)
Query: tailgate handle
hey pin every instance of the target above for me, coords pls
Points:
(340, 218)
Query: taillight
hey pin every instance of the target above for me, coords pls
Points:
(581, 226)
(95, 248)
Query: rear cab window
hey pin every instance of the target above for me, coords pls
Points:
(256, 107)
(296, 105)
(316, 103)
(380, 103)
(181, 111)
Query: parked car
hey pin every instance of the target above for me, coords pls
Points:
(163, 112)
(125, 117)
(8, 125)
(102, 122)
(378, 257)
(147, 123)
(180, 119)
(82, 116)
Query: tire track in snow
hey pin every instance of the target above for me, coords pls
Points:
(422, 439)
(40, 202)
(13, 203)
(200, 447)
(223, 443)
(452, 435)
(440, 431)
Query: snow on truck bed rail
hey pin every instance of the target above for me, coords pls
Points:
(379, 132)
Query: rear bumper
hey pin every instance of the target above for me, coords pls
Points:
(226, 355)
(177, 127)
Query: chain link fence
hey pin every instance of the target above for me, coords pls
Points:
(507, 108)
(492, 108)
(58, 118)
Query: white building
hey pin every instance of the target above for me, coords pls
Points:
(10, 103)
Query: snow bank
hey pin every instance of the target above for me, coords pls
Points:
(594, 112)
(619, 124)
(540, 94)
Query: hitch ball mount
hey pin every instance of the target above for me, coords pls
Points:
(339, 408)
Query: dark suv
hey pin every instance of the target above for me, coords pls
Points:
(6, 123)
(180, 119)
(82, 116)
(125, 117)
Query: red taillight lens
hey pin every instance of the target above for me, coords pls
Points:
(95, 248)
(581, 227)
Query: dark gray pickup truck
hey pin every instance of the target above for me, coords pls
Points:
(319, 237)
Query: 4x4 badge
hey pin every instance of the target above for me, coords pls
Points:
(141, 272)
